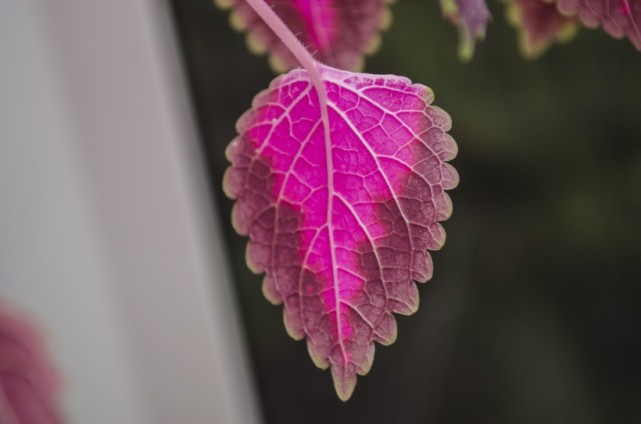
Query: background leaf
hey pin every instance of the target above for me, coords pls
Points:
(341, 208)
(619, 18)
(337, 32)
(539, 24)
(28, 382)
(471, 17)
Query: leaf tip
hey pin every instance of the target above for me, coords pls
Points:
(441, 118)
(369, 357)
(227, 185)
(319, 360)
(277, 64)
(344, 383)
(386, 19)
(438, 236)
(466, 47)
(294, 330)
(237, 22)
(374, 45)
(359, 64)
(255, 44)
(223, 4)
(447, 211)
(249, 259)
(450, 148)
(451, 177)
(269, 290)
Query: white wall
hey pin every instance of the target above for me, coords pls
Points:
(106, 234)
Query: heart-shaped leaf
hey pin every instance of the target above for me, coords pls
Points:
(619, 18)
(539, 24)
(28, 384)
(340, 193)
(336, 32)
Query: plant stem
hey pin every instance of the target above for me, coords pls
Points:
(301, 54)
(311, 66)
(288, 38)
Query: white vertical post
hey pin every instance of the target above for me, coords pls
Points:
(107, 236)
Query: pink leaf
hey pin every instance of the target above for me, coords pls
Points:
(341, 193)
(28, 383)
(336, 32)
(620, 18)
(539, 24)
(471, 17)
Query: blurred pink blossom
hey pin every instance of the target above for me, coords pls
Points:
(29, 386)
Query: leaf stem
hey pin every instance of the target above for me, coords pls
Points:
(288, 38)
(310, 64)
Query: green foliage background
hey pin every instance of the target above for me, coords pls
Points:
(534, 311)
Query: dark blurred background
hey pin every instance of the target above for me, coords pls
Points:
(533, 314)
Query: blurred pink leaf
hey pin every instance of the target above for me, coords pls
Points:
(28, 383)
(471, 17)
(539, 24)
(341, 193)
(619, 18)
(336, 32)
